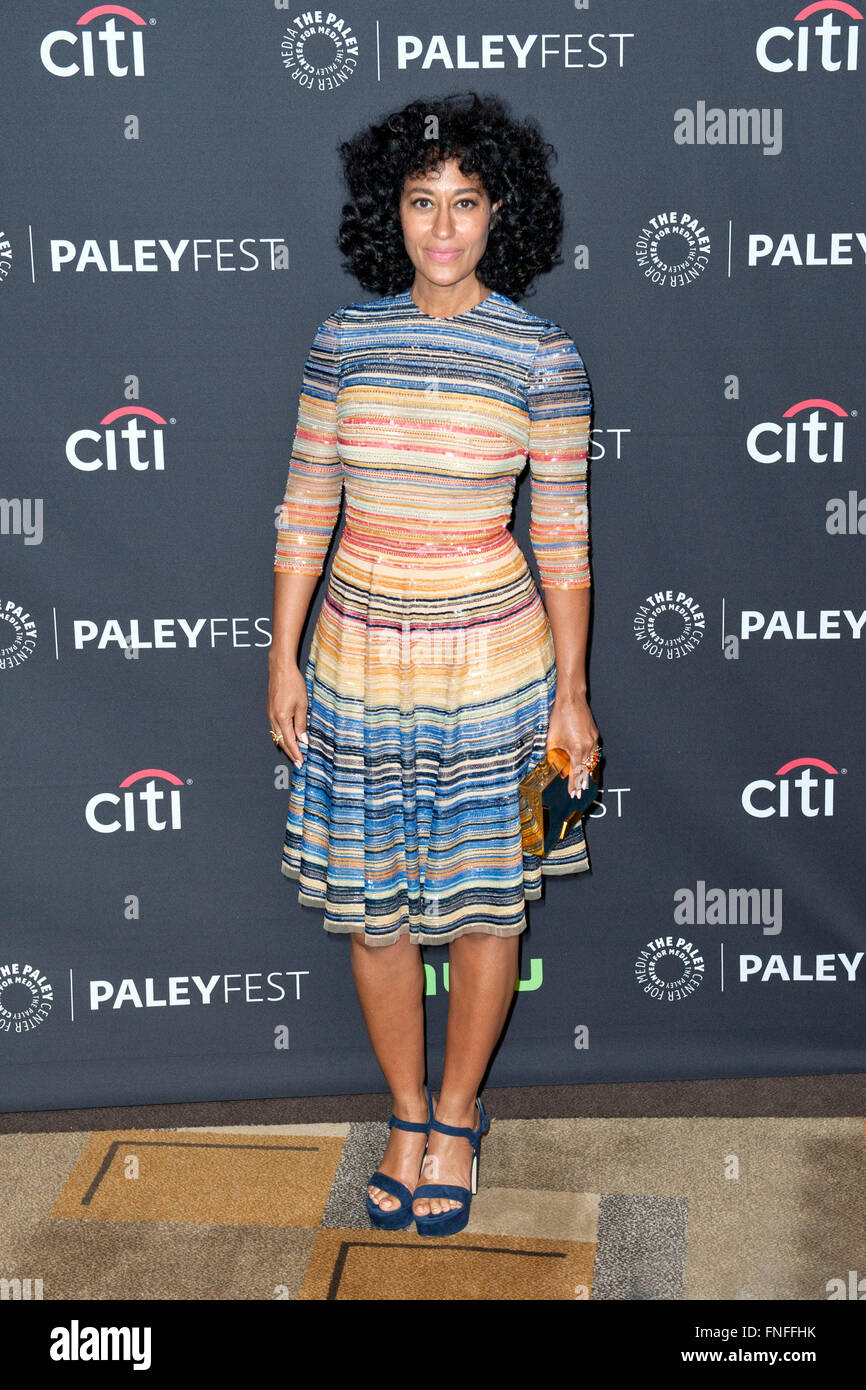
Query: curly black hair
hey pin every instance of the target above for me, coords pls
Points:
(511, 158)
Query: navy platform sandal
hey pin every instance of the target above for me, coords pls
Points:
(448, 1223)
(398, 1218)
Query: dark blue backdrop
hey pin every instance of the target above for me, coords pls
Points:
(169, 204)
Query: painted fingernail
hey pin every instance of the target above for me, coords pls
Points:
(302, 738)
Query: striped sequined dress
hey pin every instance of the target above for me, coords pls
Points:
(431, 669)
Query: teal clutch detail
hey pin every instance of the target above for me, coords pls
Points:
(547, 812)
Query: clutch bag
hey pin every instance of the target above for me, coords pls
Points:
(547, 812)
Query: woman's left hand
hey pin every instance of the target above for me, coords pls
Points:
(573, 728)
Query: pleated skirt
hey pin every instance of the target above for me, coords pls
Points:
(430, 679)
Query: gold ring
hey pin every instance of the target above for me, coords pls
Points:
(278, 738)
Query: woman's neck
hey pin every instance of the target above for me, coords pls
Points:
(445, 301)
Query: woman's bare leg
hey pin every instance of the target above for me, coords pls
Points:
(482, 977)
(390, 984)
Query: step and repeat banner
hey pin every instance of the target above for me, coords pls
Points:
(168, 212)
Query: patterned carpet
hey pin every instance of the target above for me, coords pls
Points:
(602, 1209)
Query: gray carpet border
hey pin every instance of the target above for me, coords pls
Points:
(641, 1251)
(346, 1208)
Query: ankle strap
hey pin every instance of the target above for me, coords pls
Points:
(463, 1132)
(411, 1125)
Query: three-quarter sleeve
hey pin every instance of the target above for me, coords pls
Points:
(311, 504)
(559, 403)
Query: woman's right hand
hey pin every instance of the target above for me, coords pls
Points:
(287, 709)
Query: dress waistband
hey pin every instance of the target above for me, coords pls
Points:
(452, 541)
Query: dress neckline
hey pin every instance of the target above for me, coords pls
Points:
(406, 297)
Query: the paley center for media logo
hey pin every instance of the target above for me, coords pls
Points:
(673, 248)
(26, 998)
(18, 633)
(319, 50)
(669, 624)
(5, 256)
(669, 968)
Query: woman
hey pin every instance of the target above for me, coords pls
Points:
(436, 678)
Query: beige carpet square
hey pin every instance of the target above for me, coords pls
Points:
(199, 1176)
(395, 1265)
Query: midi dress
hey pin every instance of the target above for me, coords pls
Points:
(431, 670)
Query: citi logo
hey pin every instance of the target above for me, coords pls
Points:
(763, 798)
(812, 429)
(124, 443)
(835, 46)
(118, 50)
(158, 808)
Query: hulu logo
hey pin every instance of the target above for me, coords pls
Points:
(534, 981)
